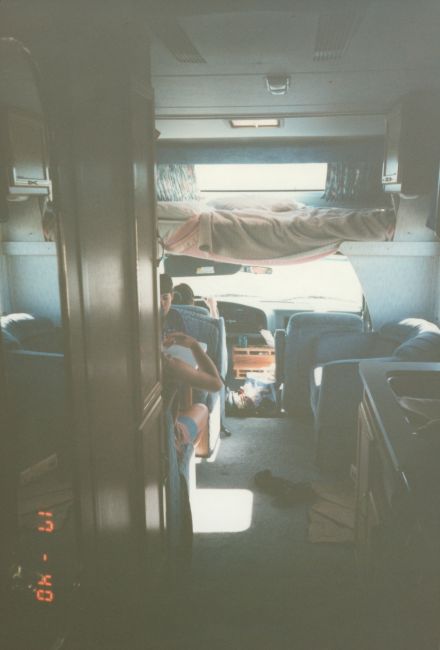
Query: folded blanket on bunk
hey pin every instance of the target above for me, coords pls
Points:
(265, 237)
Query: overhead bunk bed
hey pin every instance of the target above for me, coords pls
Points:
(283, 232)
(255, 228)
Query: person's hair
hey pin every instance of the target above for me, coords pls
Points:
(166, 283)
(177, 298)
(185, 294)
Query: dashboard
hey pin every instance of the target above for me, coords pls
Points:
(242, 319)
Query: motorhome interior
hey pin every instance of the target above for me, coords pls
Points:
(281, 159)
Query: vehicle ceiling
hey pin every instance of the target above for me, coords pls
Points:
(348, 62)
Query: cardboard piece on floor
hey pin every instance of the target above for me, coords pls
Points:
(339, 493)
(323, 530)
(338, 514)
(332, 516)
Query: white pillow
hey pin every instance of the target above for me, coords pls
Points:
(252, 201)
(178, 210)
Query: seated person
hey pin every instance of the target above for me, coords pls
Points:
(212, 306)
(184, 295)
(172, 321)
(191, 422)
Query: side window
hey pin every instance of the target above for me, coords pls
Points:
(296, 181)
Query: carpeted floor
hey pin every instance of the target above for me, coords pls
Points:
(262, 585)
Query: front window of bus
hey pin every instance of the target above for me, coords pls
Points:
(328, 284)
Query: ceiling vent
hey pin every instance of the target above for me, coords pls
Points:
(277, 84)
(176, 40)
(335, 31)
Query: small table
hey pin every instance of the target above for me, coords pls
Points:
(251, 359)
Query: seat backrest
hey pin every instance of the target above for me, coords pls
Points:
(37, 384)
(210, 331)
(416, 339)
(195, 309)
(353, 345)
(407, 329)
(302, 331)
(37, 387)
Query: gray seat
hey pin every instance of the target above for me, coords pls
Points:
(336, 387)
(295, 356)
(36, 382)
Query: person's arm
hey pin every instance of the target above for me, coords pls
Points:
(212, 306)
(205, 377)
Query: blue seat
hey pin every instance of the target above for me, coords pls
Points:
(195, 309)
(303, 329)
(36, 381)
(336, 386)
(29, 332)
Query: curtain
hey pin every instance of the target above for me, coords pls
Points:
(352, 181)
(176, 183)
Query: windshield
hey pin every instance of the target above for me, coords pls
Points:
(329, 283)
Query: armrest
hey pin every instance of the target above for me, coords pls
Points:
(223, 365)
(215, 404)
(280, 344)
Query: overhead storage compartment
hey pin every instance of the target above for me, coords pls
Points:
(412, 145)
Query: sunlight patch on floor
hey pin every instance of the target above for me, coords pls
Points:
(221, 511)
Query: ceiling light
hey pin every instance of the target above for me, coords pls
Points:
(255, 124)
(277, 84)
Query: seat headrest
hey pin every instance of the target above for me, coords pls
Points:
(24, 329)
(407, 329)
(328, 320)
(423, 347)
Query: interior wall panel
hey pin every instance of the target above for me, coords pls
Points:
(88, 88)
(399, 279)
